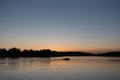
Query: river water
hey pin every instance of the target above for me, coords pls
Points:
(77, 68)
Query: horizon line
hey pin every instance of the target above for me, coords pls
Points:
(86, 51)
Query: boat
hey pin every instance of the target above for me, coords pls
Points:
(66, 59)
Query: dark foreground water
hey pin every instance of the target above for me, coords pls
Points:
(78, 68)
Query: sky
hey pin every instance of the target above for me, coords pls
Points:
(61, 25)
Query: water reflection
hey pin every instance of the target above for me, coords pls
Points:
(78, 68)
(16, 63)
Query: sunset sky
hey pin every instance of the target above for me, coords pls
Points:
(62, 25)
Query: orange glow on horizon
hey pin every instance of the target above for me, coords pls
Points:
(56, 47)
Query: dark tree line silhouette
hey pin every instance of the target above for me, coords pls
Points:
(16, 52)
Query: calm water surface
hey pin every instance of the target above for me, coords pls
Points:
(78, 68)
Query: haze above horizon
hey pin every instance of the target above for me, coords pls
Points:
(61, 25)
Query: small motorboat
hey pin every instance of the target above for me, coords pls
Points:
(66, 59)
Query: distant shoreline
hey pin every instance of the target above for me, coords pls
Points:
(16, 52)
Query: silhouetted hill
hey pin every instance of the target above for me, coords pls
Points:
(16, 52)
(114, 54)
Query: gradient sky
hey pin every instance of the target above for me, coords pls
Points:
(62, 25)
